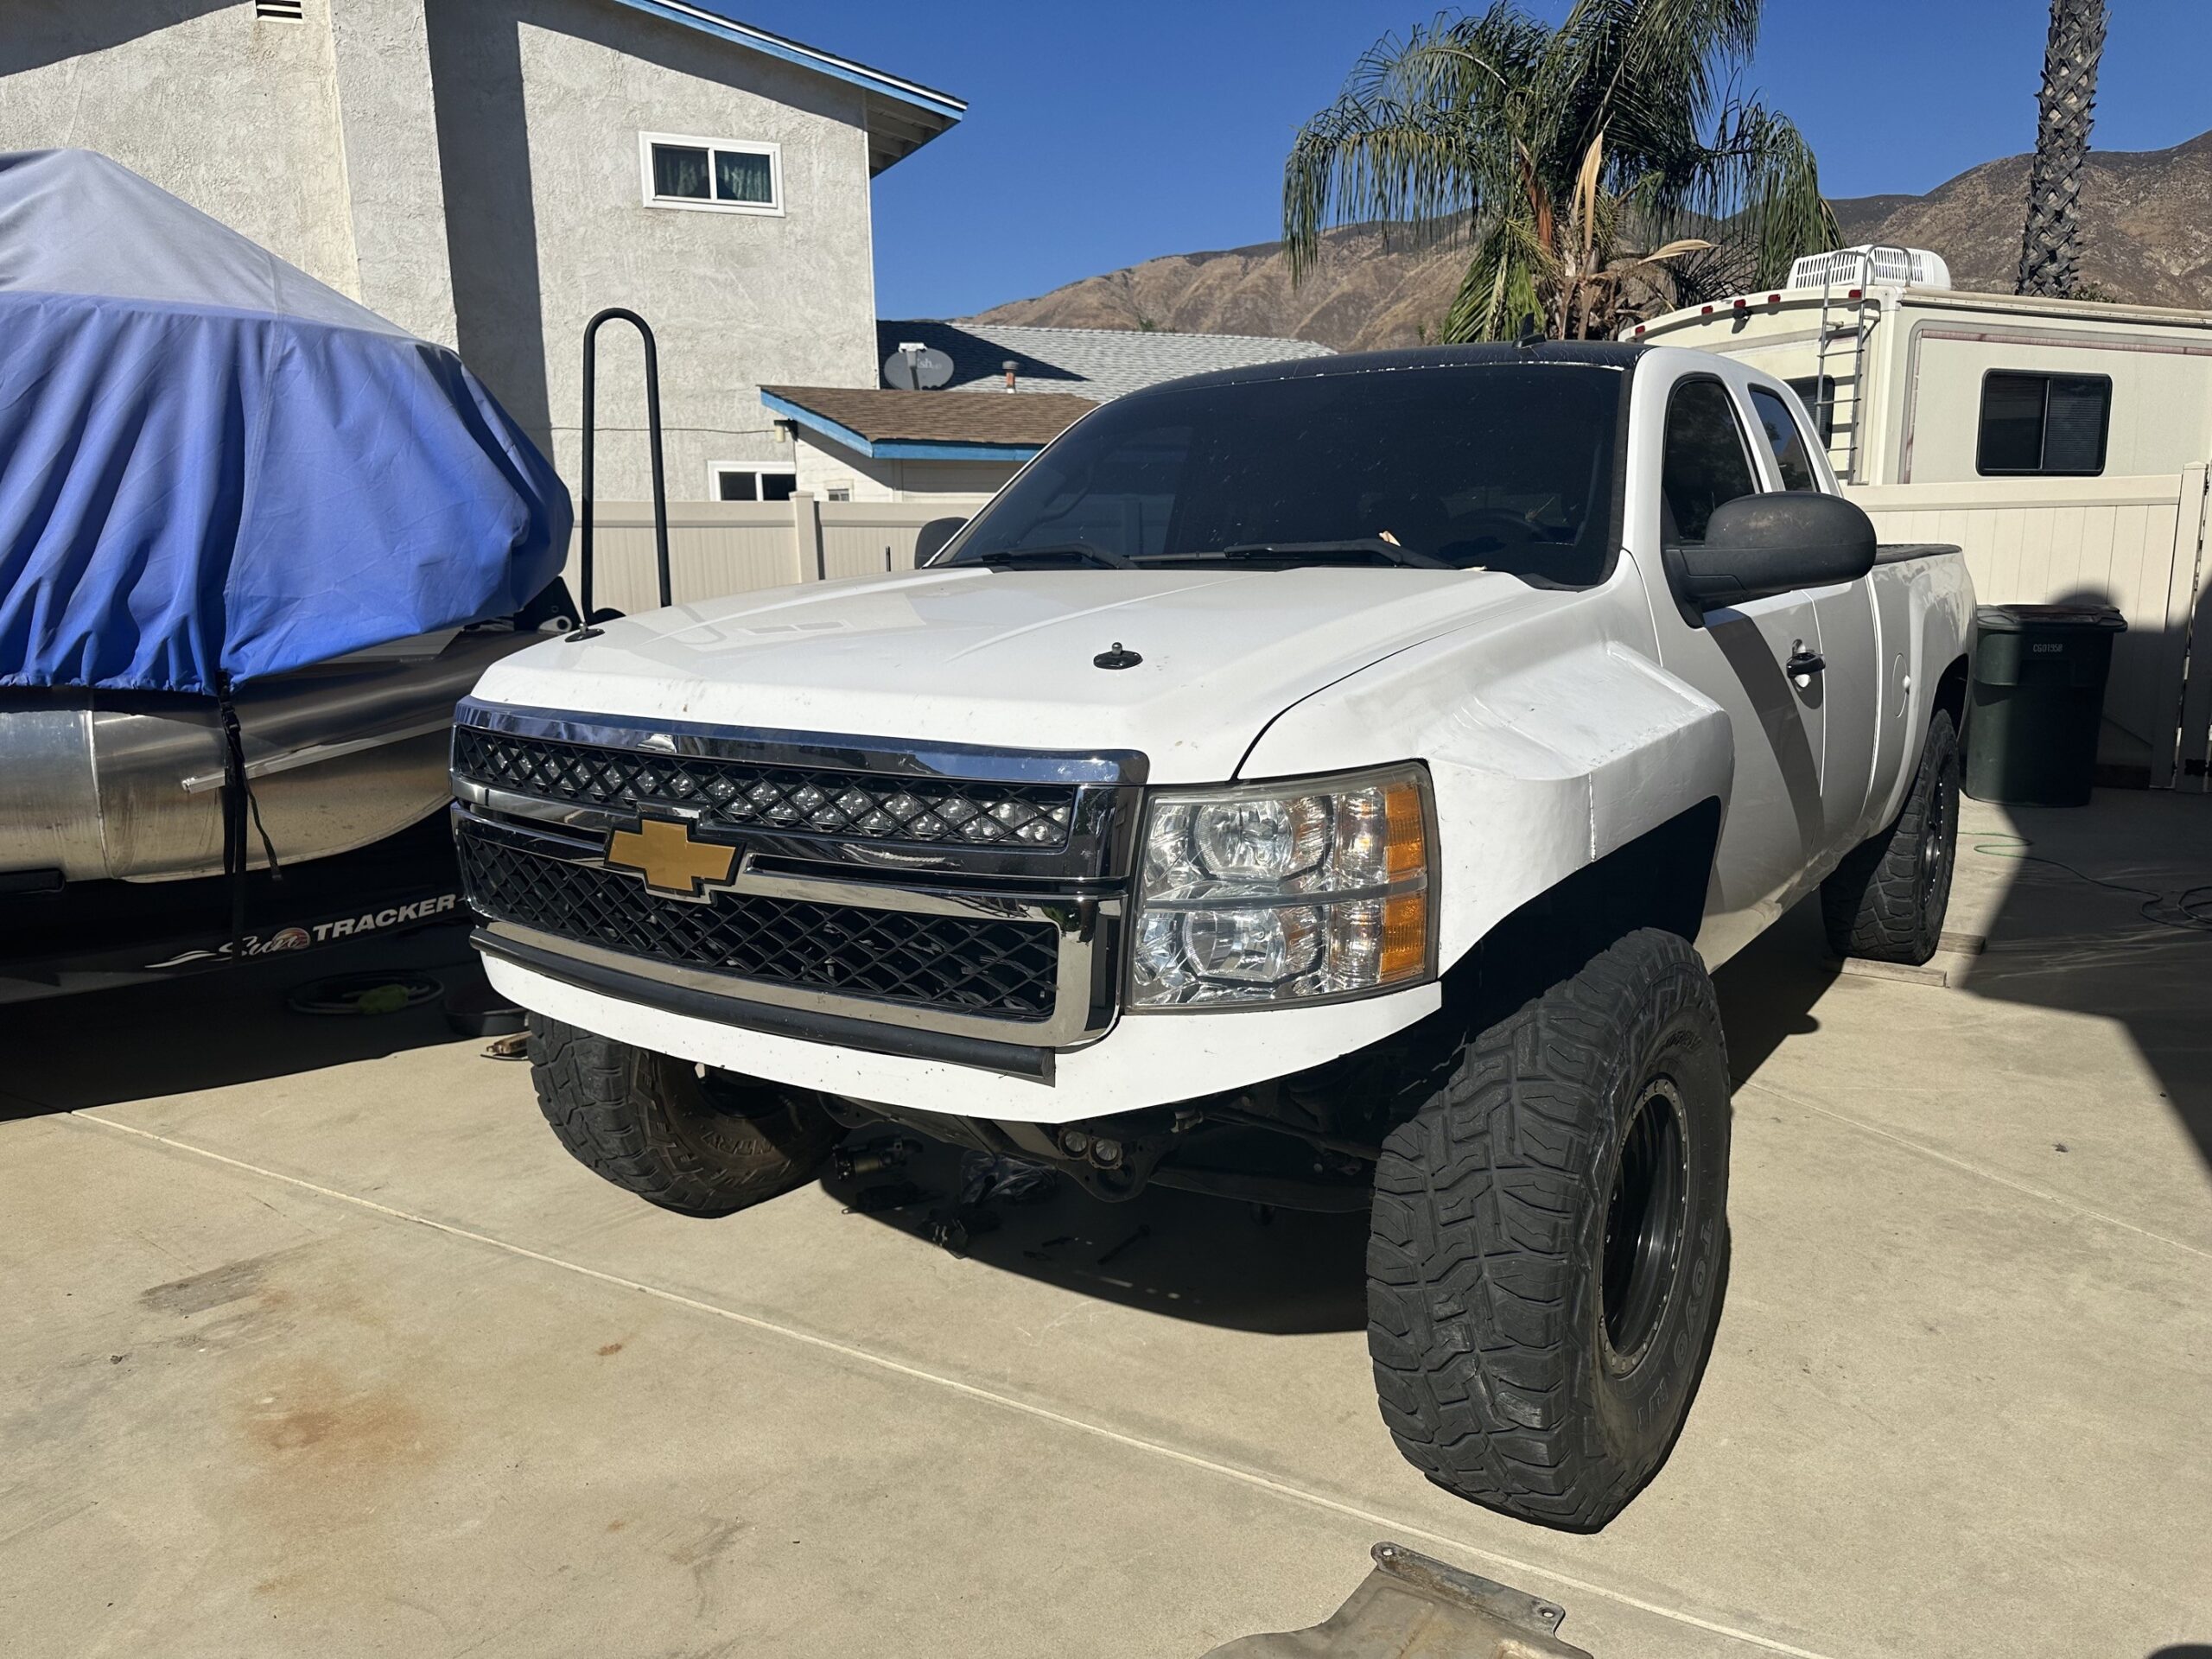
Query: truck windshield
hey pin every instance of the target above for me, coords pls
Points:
(1501, 466)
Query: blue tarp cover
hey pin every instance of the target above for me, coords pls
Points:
(211, 463)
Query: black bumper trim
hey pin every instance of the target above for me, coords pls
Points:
(1010, 1060)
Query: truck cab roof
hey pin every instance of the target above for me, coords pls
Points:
(1601, 353)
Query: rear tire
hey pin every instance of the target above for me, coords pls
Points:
(1548, 1240)
(1886, 901)
(700, 1145)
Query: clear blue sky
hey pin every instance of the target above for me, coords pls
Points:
(1099, 135)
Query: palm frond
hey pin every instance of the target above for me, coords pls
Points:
(1562, 152)
(1764, 181)
(1500, 290)
(1422, 132)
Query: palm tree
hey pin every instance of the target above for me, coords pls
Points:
(2051, 247)
(1601, 169)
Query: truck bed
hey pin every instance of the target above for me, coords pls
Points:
(1904, 552)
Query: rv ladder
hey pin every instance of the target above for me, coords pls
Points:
(1864, 312)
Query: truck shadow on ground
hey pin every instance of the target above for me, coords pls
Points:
(1218, 1262)
(213, 1029)
(2098, 931)
(1280, 1273)
(1768, 989)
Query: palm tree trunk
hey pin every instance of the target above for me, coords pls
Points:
(2051, 247)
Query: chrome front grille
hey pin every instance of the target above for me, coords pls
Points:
(992, 966)
(936, 894)
(858, 805)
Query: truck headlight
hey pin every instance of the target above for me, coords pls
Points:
(1274, 892)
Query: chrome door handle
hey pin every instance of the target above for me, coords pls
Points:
(1803, 664)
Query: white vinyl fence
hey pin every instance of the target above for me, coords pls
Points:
(2133, 543)
(734, 547)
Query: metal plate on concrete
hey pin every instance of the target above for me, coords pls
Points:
(1412, 1607)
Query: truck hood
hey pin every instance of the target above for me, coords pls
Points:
(1003, 658)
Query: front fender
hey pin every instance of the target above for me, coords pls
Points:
(1548, 749)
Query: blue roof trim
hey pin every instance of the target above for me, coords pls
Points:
(902, 451)
(710, 19)
(894, 448)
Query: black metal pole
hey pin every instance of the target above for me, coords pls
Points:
(652, 432)
(590, 425)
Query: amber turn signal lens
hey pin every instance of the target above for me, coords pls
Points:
(1405, 938)
(1408, 852)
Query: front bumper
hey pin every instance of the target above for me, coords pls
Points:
(917, 927)
(1140, 1062)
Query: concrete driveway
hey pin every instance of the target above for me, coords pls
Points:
(313, 1342)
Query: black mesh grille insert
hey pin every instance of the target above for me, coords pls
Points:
(963, 964)
(862, 805)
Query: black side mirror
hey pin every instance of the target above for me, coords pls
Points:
(1758, 545)
(929, 541)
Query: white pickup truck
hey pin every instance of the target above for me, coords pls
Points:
(1326, 784)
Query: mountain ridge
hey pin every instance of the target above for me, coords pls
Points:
(2147, 240)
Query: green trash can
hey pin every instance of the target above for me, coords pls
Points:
(2039, 699)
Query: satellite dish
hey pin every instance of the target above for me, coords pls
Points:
(915, 367)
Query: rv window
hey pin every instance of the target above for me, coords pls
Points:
(2053, 425)
(1817, 393)
(1785, 437)
(1705, 465)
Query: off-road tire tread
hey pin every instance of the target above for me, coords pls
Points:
(1474, 1213)
(1871, 905)
(607, 1103)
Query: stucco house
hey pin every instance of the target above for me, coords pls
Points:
(1012, 389)
(489, 172)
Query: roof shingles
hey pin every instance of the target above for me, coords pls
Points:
(1094, 363)
(881, 417)
(1060, 375)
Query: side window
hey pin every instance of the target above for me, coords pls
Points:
(1705, 463)
(1817, 393)
(1785, 437)
(2053, 425)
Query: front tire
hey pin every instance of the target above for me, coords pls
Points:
(700, 1145)
(1886, 901)
(1549, 1239)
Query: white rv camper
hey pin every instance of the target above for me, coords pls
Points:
(2063, 443)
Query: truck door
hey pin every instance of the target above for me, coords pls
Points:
(1851, 680)
(1774, 827)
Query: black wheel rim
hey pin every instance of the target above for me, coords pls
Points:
(1935, 844)
(1644, 1221)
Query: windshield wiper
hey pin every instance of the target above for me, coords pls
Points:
(1058, 553)
(1345, 547)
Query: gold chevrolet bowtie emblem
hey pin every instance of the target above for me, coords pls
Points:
(668, 858)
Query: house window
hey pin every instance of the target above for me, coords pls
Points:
(754, 483)
(719, 175)
(2051, 425)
